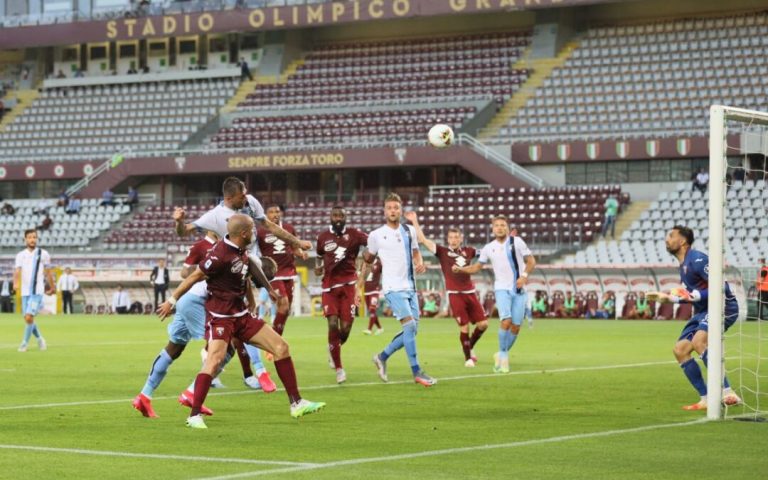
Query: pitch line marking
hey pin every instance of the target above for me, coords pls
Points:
(157, 456)
(450, 451)
(351, 385)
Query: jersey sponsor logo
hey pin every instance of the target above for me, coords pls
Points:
(329, 247)
(278, 245)
(237, 266)
(461, 261)
(339, 253)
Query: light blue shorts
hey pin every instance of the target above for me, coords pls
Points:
(403, 304)
(188, 321)
(31, 304)
(511, 305)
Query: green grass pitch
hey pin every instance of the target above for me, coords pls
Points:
(585, 399)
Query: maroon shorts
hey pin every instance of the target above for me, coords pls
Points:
(466, 308)
(372, 303)
(285, 287)
(340, 302)
(226, 328)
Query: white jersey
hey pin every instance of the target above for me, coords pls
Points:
(395, 248)
(216, 219)
(507, 260)
(32, 276)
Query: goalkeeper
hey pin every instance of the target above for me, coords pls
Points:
(694, 275)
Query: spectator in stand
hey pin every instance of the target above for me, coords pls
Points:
(762, 287)
(430, 306)
(540, 304)
(63, 199)
(132, 71)
(245, 71)
(107, 198)
(60, 75)
(739, 174)
(700, 181)
(606, 309)
(121, 301)
(42, 207)
(611, 210)
(46, 223)
(79, 73)
(642, 309)
(568, 310)
(73, 206)
(7, 209)
(133, 197)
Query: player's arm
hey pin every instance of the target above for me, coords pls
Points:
(250, 297)
(51, 282)
(165, 309)
(369, 254)
(470, 269)
(182, 229)
(17, 279)
(414, 219)
(418, 261)
(186, 270)
(284, 235)
(530, 264)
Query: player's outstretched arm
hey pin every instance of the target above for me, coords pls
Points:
(282, 234)
(165, 309)
(414, 219)
(182, 229)
(470, 269)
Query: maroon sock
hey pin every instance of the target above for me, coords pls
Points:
(372, 320)
(475, 337)
(279, 323)
(287, 376)
(202, 385)
(334, 346)
(465, 344)
(245, 359)
(378, 324)
(344, 332)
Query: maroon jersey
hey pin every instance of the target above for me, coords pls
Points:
(226, 266)
(339, 254)
(373, 280)
(461, 257)
(279, 251)
(197, 251)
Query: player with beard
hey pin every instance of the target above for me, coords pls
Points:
(337, 249)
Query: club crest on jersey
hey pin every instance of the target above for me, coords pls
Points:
(270, 238)
(237, 266)
(329, 247)
(219, 331)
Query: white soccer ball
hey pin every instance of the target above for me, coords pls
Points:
(440, 136)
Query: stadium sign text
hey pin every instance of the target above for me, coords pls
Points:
(285, 161)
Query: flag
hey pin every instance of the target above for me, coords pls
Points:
(564, 151)
(534, 152)
(593, 150)
(652, 147)
(622, 149)
(683, 146)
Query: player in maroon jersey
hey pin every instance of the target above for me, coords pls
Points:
(372, 292)
(228, 316)
(459, 287)
(282, 253)
(337, 249)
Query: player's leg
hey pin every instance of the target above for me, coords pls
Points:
(700, 341)
(402, 309)
(250, 355)
(504, 303)
(682, 351)
(372, 306)
(331, 305)
(30, 306)
(266, 338)
(410, 329)
(477, 316)
(217, 350)
(285, 287)
(176, 344)
(459, 310)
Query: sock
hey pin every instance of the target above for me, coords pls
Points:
(372, 320)
(511, 337)
(35, 331)
(378, 324)
(693, 372)
(157, 373)
(502, 343)
(395, 345)
(334, 346)
(279, 323)
(475, 337)
(28, 332)
(344, 332)
(227, 359)
(262, 311)
(245, 359)
(202, 385)
(704, 357)
(409, 341)
(254, 354)
(287, 375)
(466, 344)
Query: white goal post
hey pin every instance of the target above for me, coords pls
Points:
(718, 156)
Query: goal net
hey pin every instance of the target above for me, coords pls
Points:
(738, 245)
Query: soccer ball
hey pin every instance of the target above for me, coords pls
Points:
(440, 136)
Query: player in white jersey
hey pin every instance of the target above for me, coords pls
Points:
(32, 265)
(397, 247)
(512, 262)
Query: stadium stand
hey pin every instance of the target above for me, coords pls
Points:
(655, 78)
(91, 122)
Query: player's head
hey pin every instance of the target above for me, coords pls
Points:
(274, 212)
(338, 219)
(679, 237)
(269, 267)
(234, 192)
(393, 208)
(30, 238)
(500, 226)
(240, 230)
(454, 237)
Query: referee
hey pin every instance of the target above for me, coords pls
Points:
(67, 285)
